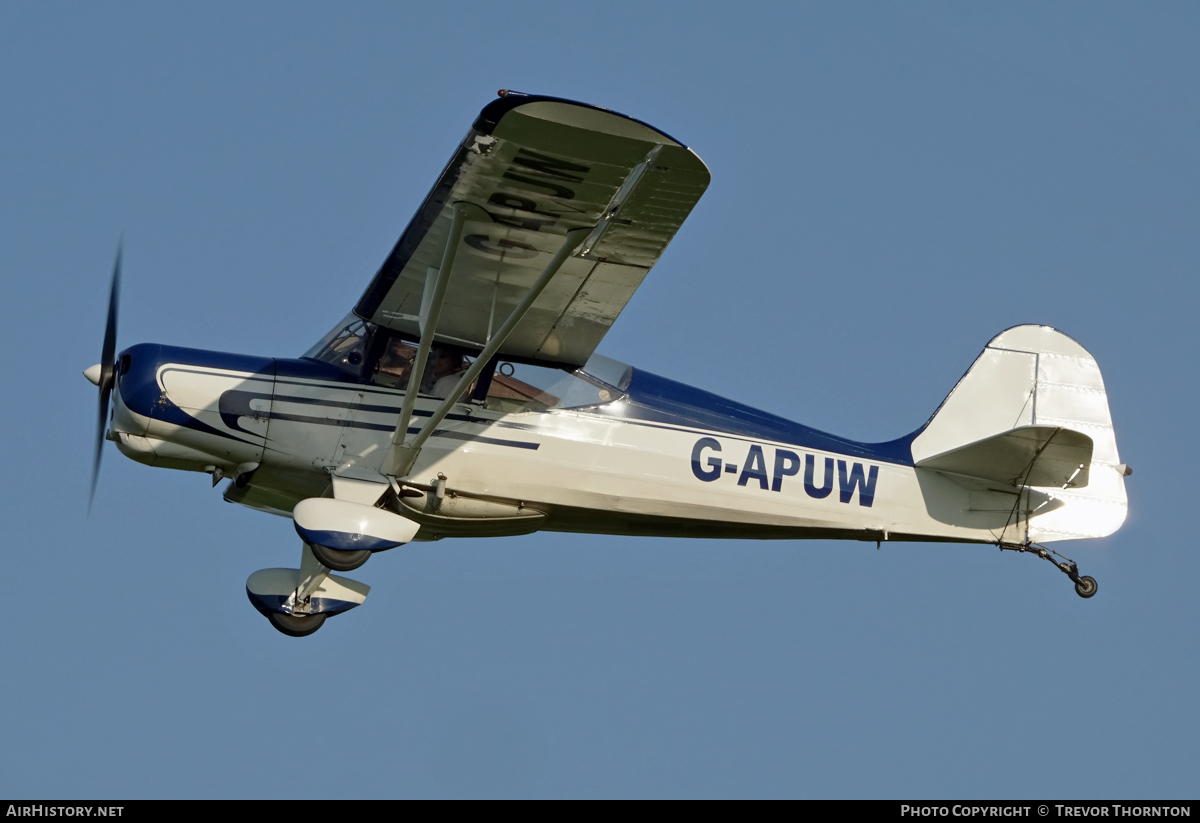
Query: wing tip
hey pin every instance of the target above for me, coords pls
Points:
(509, 99)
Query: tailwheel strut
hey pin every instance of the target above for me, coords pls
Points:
(1084, 586)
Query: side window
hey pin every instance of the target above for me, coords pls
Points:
(518, 387)
(395, 364)
(370, 353)
(344, 347)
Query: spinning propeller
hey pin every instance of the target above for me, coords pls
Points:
(103, 374)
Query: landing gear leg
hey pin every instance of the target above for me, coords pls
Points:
(1084, 586)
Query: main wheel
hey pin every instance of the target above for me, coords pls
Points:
(339, 561)
(1085, 586)
(297, 625)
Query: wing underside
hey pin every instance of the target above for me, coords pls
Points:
(530, 170)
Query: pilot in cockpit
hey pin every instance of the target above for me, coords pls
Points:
(443, 372)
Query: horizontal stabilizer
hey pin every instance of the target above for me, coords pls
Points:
(1025, 456)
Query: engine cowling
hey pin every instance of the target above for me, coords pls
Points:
(342, 525)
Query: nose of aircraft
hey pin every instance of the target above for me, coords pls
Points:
(93, 374)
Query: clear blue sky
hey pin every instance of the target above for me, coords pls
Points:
(893, 184)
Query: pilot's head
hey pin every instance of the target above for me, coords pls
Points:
(446, 362)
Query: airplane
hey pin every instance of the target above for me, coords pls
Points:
(463, 395)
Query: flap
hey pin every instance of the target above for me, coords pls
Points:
(1026, 456)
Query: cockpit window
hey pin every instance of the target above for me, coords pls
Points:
(442, 372)
(345, 346)
(395, 364)
(512, 387)
(521, 387)
(376, 355)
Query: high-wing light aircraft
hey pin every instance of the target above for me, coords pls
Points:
(462, 396)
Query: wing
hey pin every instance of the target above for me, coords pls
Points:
(532, 169)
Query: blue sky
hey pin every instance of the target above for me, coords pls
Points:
(893, 184)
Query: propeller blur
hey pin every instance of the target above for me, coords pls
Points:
(101, 374)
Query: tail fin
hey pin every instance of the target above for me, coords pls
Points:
(1032, 412)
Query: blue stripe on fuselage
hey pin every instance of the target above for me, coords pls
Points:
(658, 400)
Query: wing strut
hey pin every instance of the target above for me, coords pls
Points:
(401, 456)
(619, 199)
(429, 326)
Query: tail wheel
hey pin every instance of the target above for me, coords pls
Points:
(296, 625)
(1084, 586)
(339, 561)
